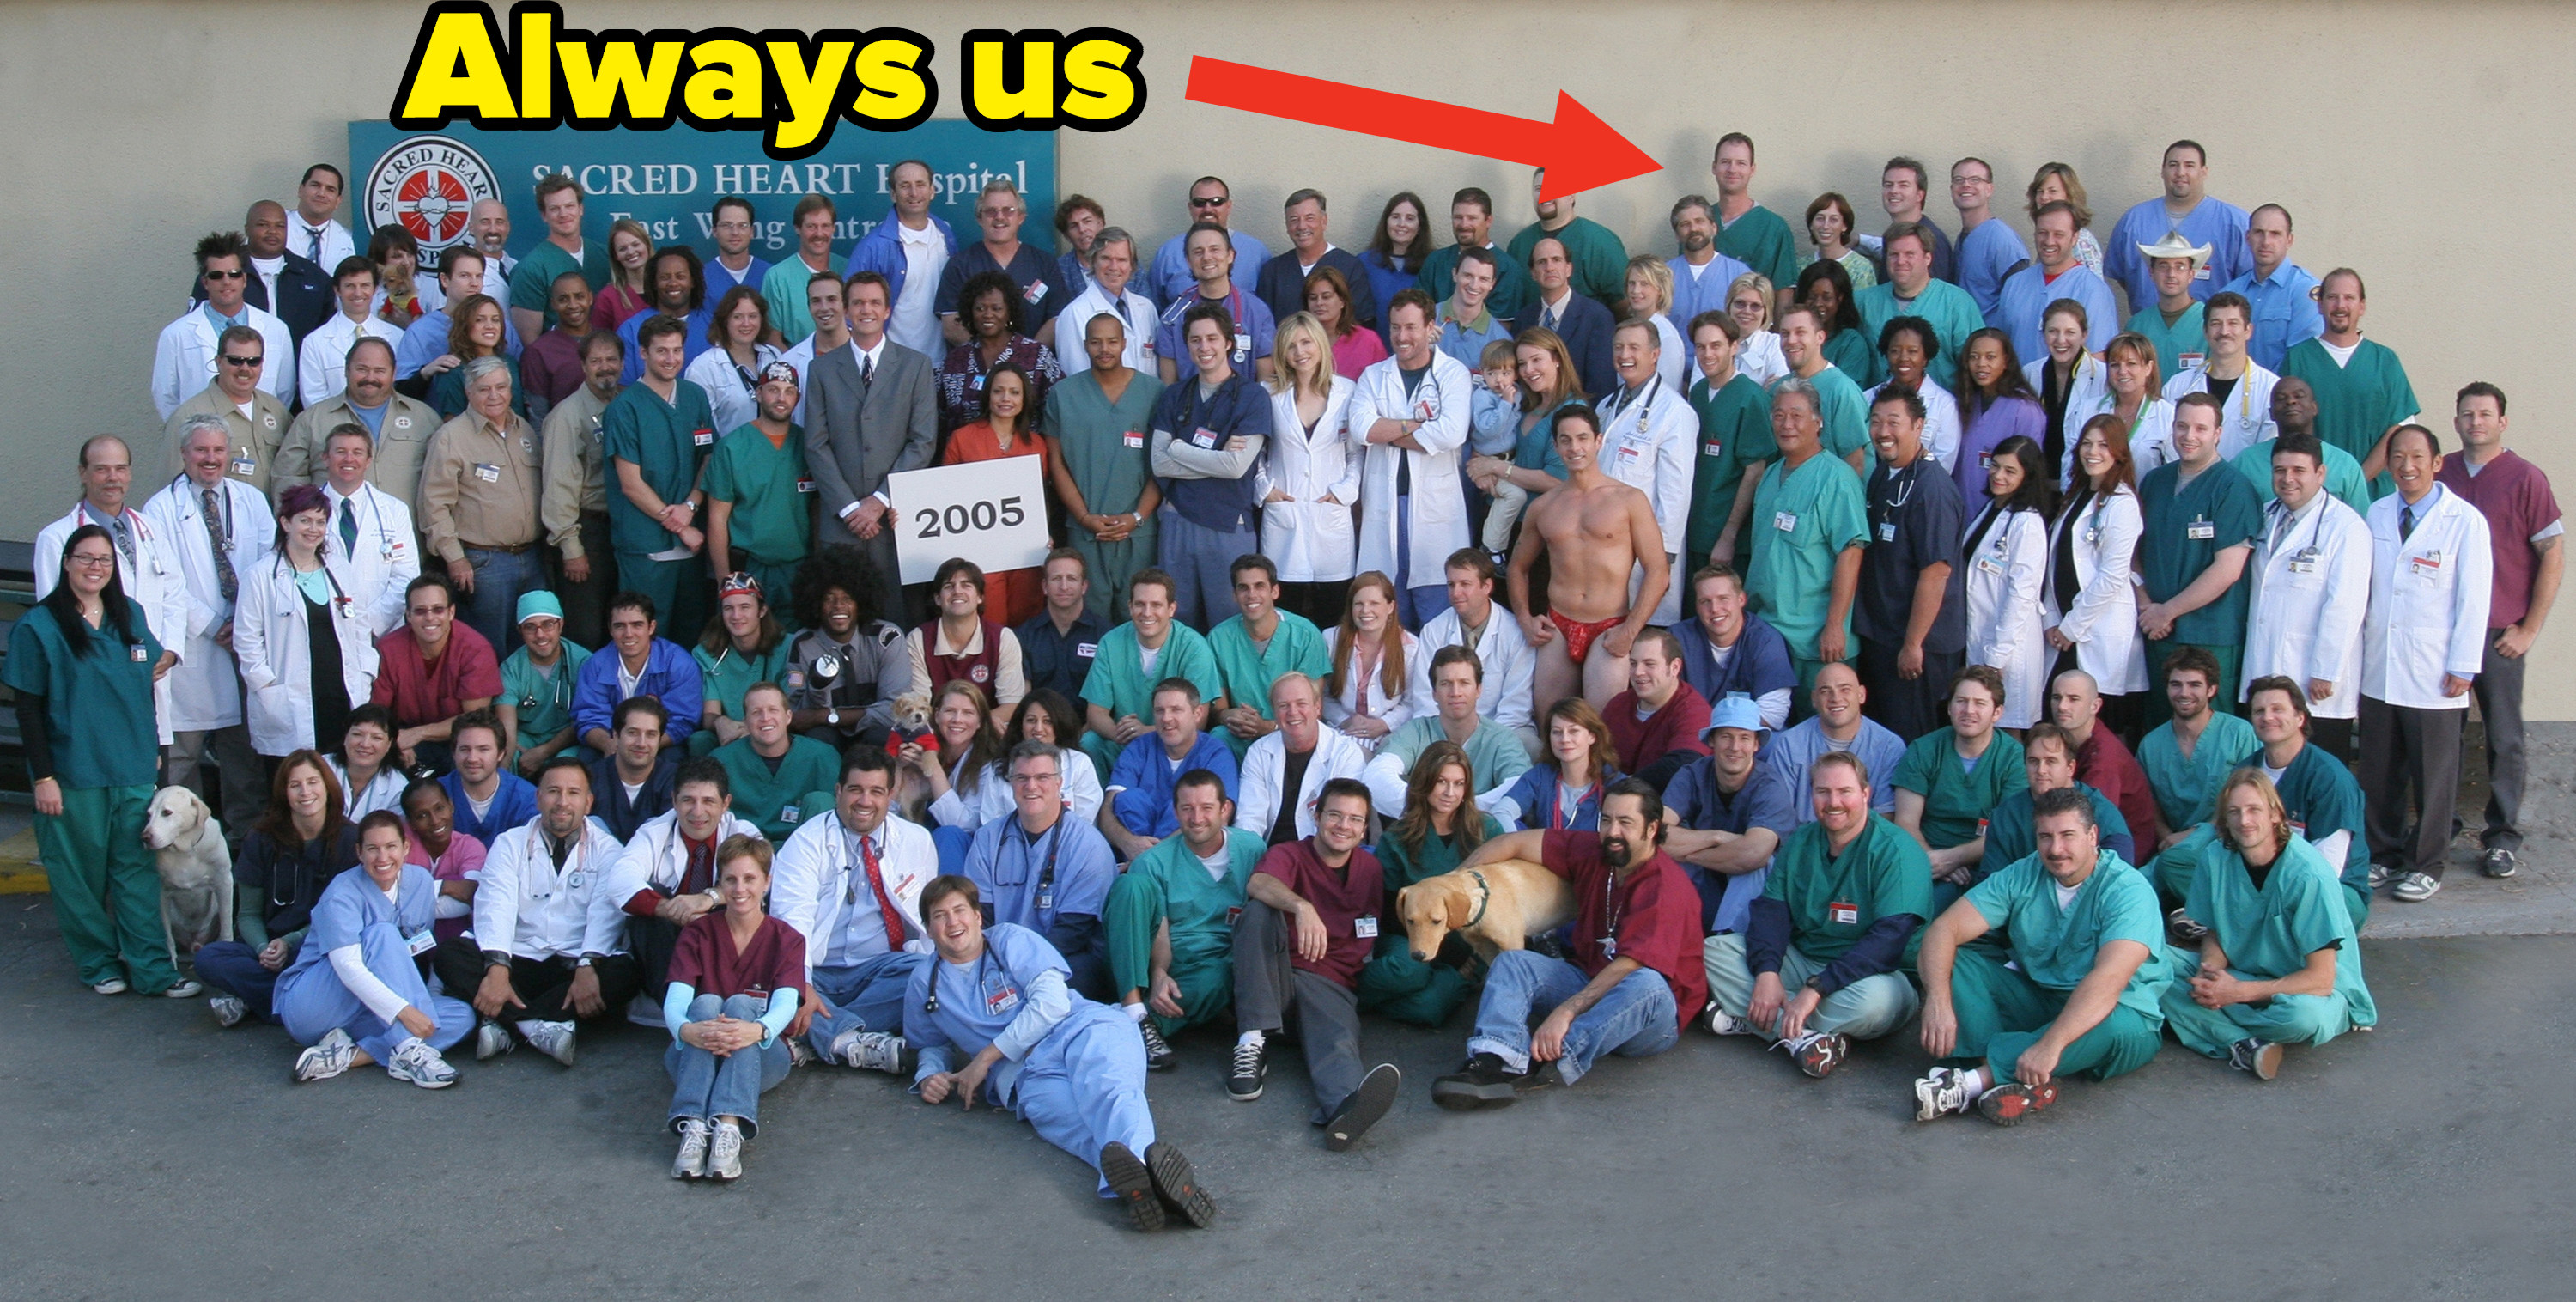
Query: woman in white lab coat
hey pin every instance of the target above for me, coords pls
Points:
(1309, 476)
(2133, 390)
(1758, 354)
(730, 370)
(306, 646)
(2070, 382)
(2006, 551)
(1650, 295)
(2092, 609)
(1380, 677)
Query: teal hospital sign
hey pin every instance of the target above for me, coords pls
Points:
(429, 181)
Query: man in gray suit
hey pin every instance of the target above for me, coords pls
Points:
(870, 411)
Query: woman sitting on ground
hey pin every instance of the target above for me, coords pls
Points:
(367, 778)
(359, 993)
(454, 860)
(737, 978)
(1562, 792)
(1441, 824)
(294, 851)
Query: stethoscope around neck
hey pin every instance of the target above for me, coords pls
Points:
(930, 1002)
(340, 603)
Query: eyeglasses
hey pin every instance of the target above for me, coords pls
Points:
(234, 274)
(88, 561)
(1217, 202)
(230, 360)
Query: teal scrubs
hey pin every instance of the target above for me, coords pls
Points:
(2268, 933)
(772, 526)
(1495, 756)
(1832, 900)
(1956, 798)
(2186, 791)
(2187, 525)
(532, 282)
(2358, 401)
(775, 796)
(1170, 884)
(1394, 983)
(1842, 407)
(543, 697)
(1296, 646)
(668, 441)
(1802, 520)
(2012, 833)
(1953, 315)
(1851, 353)
(725, 675)
(1101, 445)
(107, 762)
(1600, 260)
(2322, 798)
(2343, 475)
(1119, 684)
(2002, 1011)
(2173, 342)
(1734, 434)
(784, 290)
(1760, 239)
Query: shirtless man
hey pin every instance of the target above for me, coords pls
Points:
(1596, 531)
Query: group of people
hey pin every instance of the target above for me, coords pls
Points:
(1853, 605)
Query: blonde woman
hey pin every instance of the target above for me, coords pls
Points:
(2133, 390)
(1307, 478)
(1650, 295)
(1380, 677)
(1758, 354)
(629, 291)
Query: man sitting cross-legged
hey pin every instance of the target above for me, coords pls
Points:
(1170, 918)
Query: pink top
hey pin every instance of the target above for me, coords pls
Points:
(463, 862)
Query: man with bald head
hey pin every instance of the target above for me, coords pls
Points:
(488, 221)
(145, 562)
(293, 288)
(2294, 411)
(2102, 760)
(1836, 725)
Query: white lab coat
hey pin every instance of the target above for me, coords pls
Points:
(1675, 364)
(205, 688)
(1311, 540)
(657, 857)
(816, 877)
(1143, 318)
(151, 580)
(1439, 497)
(2006, 574)
(387, 557)
(728, 401)
(1759, 357)
(2246, 417)
(1649, 440)
(2428, 601)
(322, 362)
(2310, 595)
(183, 362)
(1941, 429)
(992, 797)
(2083, 402)
(270, 643)
(1369, 695)
(1266, 763)
(1506, 655)
(2102, 621)
(532, 910)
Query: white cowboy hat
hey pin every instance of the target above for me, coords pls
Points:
(2174, 246)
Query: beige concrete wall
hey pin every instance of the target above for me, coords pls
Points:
(2425, 143)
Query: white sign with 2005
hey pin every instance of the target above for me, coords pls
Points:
(990, 512)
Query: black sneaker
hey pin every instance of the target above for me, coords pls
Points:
(1483, 1083)
(1179, 1185)
(2499, 863)
(1158, 1051)
(1544, 1076)
(1251, 1065)
(1133, 1184)
(1366, 1106)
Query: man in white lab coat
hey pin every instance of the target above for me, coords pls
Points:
(183, 362)
(371, 529)
(145, 561)
(219, 528)
(2431, 577)
(1268, 807)
(2311, 589)
(1648, 441)
(1410, 413)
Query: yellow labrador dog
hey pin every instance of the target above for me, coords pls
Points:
(1493, 905)
(187, 844)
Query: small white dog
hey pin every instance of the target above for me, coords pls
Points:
(187, 842)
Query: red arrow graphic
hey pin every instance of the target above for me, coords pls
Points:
(1579, 151)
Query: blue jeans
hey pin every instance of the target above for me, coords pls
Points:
(500, 578)
(863, 996)
(232, 967)
(704, 1086)
(1637, 1019)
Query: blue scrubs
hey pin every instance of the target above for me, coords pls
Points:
(313, 1002)
(1144, 777)
(513, 805)
(2022, 309)
(2285, 314)
(1988, 255)
(1694, 800)
(2217, 224)
(1796, 750)
(1055, 884)
(1072, 1068)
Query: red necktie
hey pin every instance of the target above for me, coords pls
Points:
(885, 905)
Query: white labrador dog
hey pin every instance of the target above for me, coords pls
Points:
(187, 842)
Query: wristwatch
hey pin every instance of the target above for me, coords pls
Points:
(833, 716)
(583, 961)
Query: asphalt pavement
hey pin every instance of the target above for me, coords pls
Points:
(167, 1158)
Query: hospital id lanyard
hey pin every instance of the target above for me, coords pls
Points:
(1610, 912)
(1046, 874)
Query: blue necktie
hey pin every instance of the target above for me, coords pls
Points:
(2405, 522)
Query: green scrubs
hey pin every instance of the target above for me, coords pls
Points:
(772, 525)
(532, 282)
(1843, 409)
(1734, 433)
(775, 797)
(2358, 401)
(784, 288)
(2343, 475)
(1102, 446)
(1495, 756)
(107, 761)
(1170, 884)
(1119, 684)
(1956, 797)
(1851, 353)
(2184, 336)
(1394, 983)
(2267, 934)
(1953, 315)
(725, 675)
(2186, 791)
(2187, 525)
(668, 442)
(1600, 260)
(1832, 900)
(2003, 1011)
(543, 697)
(1802, 520)
(2322, 798)
(1760, 239)
(2012, 833)
(1296, 646)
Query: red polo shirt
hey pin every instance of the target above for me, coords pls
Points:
(420, 694)
(1653, 916)
(1677, 726)
(1340, 899)
(2514, 496)
(2104, 763)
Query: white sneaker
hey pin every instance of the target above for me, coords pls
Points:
(2415, 888)
(419, 1064)
(491, 1040)
(184, 988)
(724, 1155)
(553, 1039)
(326, 1059)
(1943, 1092)
(111, 986)
(873, 1051)
(692, 1160)
(229, 1010)
(799, 1052)
(1722, 1022)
